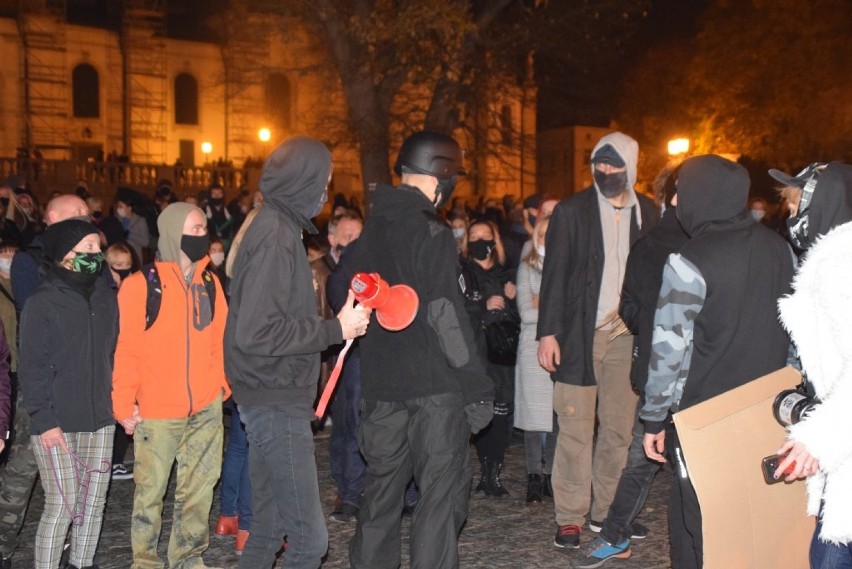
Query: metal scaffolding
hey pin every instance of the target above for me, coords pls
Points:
(45, 89)
(245, 50)
(143, 46)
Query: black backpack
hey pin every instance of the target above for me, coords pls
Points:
(155, 293)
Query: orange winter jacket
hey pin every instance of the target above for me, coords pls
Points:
(175, 368)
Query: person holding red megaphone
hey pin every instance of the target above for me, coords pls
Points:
(395, 306)
(423, 387)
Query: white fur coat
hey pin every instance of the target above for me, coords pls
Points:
(818, 316)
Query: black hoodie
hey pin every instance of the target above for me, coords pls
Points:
(643, 277)
(274, 336)
(831, 204)
(746, 267)
(407, 243)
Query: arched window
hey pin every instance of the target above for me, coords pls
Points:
(278, 101)
(85, 91)
(186, 99)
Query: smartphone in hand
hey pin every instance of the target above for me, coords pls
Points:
(770, 465)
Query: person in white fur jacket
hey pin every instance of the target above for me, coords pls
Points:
(817, 316)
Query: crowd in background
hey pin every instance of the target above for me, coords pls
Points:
(68, 266)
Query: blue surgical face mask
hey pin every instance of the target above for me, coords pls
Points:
(458, 233)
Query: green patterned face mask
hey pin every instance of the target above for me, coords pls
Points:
(89, 263)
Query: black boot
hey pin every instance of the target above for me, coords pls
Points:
(482, 486)
(534, 488)
(494, 487)
(546, 485)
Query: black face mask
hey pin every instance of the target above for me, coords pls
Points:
(195, 246)
(532, 219)
(482, 249)
(122, 273)
(4, 201)
(444, 190)
(90, 263)
(217, 201)
(611, 185)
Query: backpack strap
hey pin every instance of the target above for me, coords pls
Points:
(155, 294)
(210, 285)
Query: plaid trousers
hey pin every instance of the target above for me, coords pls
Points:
(65, 483)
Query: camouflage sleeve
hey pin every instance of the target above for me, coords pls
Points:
(681, 298)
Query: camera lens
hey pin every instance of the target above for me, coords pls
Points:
(791, 406)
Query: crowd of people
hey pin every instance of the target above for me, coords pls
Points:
(586, 323)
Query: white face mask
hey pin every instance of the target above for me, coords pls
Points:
(458, 232)
(757, 214)
(5, 265)
(121, 212)
(217, 258)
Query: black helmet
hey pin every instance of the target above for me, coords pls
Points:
(430, 153)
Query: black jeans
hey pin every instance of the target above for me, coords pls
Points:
(633, 488)
(427, 438)
(285, 491)
(687, 542)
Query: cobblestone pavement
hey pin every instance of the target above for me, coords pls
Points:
(504, 533)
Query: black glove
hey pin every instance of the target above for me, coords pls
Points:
(479, 415)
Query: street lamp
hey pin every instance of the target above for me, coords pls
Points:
(678, 146)
(264, 135)
(206, 149)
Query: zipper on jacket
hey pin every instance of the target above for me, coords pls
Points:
(91, 397)
(187, 303)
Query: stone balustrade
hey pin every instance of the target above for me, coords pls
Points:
(102, 178)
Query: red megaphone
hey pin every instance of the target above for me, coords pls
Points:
(395, 306)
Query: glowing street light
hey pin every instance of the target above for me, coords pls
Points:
(206, 149)
(264, 134)
(678, 146)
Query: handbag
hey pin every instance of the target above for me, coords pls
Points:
(501, 339)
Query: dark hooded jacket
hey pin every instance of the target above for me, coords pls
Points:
(746, 267)
(831, 204)
(643, 277)
(67, 352)
(407, 243)
(273, 337)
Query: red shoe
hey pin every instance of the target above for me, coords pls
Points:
(227, 525)
(242, 538)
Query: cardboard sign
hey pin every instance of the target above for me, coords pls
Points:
(746, 522)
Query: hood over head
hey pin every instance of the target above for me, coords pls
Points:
(170, 223)
(624, 147)
(711, 191)
(830, 204)
(295, 178)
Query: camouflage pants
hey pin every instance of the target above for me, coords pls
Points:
(16, 482)
(196, 444)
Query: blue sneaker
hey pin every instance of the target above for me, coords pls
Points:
(599, 552)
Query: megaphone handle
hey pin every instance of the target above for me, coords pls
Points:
(332, 381)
